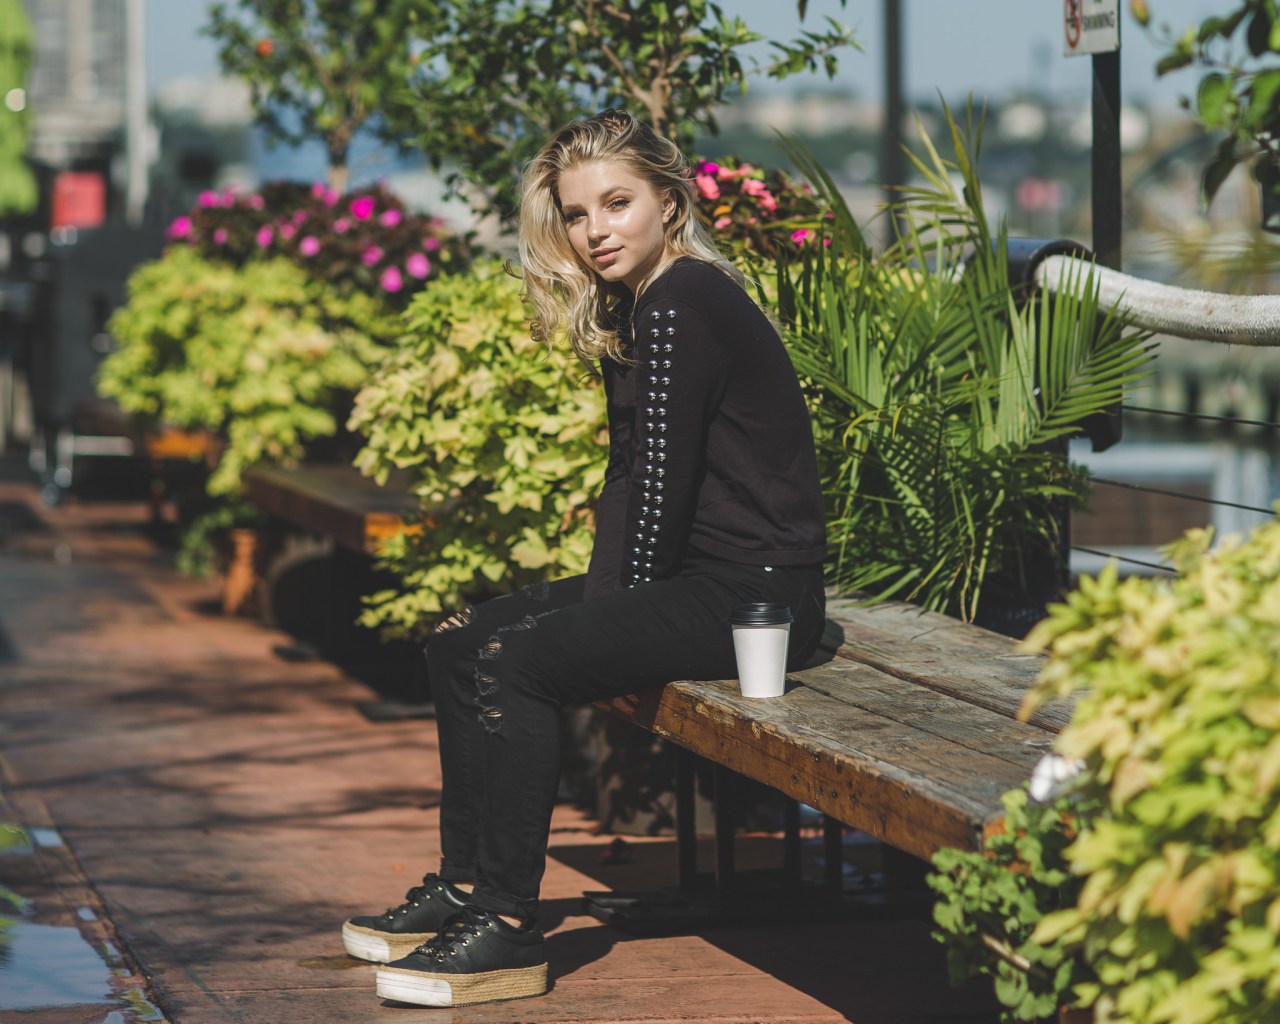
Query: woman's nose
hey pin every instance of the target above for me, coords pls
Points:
(595, 228)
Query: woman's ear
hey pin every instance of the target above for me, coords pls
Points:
(668, 208)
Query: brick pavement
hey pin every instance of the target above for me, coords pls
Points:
(225, 810)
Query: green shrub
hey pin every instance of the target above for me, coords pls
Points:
(257, 355)
(1171, 831)
(503, 442)
(1178, 724)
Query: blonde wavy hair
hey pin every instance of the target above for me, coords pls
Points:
(566, 295)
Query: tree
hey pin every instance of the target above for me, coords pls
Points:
(318, 69)
(507, 73)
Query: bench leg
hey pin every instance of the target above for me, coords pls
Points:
(686, 826)
(726, 815)
(791, 843)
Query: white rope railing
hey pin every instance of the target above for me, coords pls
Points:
(1166, 309)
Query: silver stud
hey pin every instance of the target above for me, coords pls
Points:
(654, 380)
(657, 499)
(662, 396)
(666, 382)
(657, 513)
(661, 412)
(659, 485)
(662, 442)
(667, 347)
(661, 472)
(639, 535)
(654, 331)
(653, 396)
(644, 510)
(666, 364)
(653, 364)
(637, 550)
(656, 315)
(662, 456)
(648, 579)
(671, 331)
(671, 314)
(662, 428)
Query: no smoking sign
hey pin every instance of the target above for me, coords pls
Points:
(1090, 26)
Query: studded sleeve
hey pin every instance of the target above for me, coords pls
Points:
(682, 379)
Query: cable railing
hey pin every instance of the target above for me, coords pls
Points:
(1164, 483)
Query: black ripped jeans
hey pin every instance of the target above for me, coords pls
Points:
(501, 672)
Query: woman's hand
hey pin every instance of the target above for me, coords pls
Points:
(628, 704)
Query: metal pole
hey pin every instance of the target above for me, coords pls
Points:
(135, 193)
(1107, 199)
(891, 162)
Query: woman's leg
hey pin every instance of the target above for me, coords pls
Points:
(457, 656)
(622, 643)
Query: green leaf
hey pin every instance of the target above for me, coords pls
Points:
(1212, 99)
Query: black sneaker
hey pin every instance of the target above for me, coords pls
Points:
(402, 929)
(476, 958)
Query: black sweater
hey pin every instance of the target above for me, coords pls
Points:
(710, 445)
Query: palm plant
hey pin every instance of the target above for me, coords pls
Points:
(941, 400)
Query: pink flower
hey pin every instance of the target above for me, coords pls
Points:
(256, 201)
(300, 217)
(767, 201)
(826, 241)
(431, 244)
(371, 256)
(707, 186)
(417, 265)
(707, 167)
(753, 187)
(207, 199)
(228, 198)
(265, 236)
(287, 231)
(390, 218)
(180, 228)
(318, 190)
(362, 208)
(220, 236)
(391, 280)
(309, 246)
(801, 235)
(342, 225)
(723, 223)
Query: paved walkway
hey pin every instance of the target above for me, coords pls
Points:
(222, 810)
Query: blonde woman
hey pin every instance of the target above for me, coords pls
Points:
(711, 500)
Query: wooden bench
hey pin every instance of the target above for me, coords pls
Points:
(337, 502)
(904, 726)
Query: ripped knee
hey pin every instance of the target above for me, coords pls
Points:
(485, 675)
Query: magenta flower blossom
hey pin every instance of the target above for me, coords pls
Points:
(431, 244)
(287, 231)
(228, 198)
(371, 255)
(723, 223)
(707, 167)
(318, 189)
(265, 236)
(362, 208)
(342, 225)
(707, 186)
(207, 199)
(309, 246)
(801, 235)
(300, 218)
(768, 202)
(754, 187)
(417, 265)
(180, 228)
(220, 236)
(390, 218)
(256, 201)
(391, 280)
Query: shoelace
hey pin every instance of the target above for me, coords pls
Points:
(458, 931)
(415, 896)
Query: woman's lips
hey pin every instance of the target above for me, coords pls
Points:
(604, 255)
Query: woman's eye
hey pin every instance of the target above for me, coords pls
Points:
(618, 204)
(569, 218)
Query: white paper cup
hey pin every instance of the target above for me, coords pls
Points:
(760, 635)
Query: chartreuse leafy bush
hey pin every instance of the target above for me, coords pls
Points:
(1172, 912)
(503, 442)
(257, 355)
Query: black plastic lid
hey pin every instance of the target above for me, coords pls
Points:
(761, 613)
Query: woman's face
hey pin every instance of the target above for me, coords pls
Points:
(615, 220)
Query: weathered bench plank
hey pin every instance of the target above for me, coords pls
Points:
(943, 654)
(334, 501)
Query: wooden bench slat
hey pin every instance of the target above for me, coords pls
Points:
(958, 721)
(944, 654)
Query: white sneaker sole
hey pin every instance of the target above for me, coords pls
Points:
(404, 986)
(379, 947)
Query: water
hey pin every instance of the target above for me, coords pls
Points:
(46, 965)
